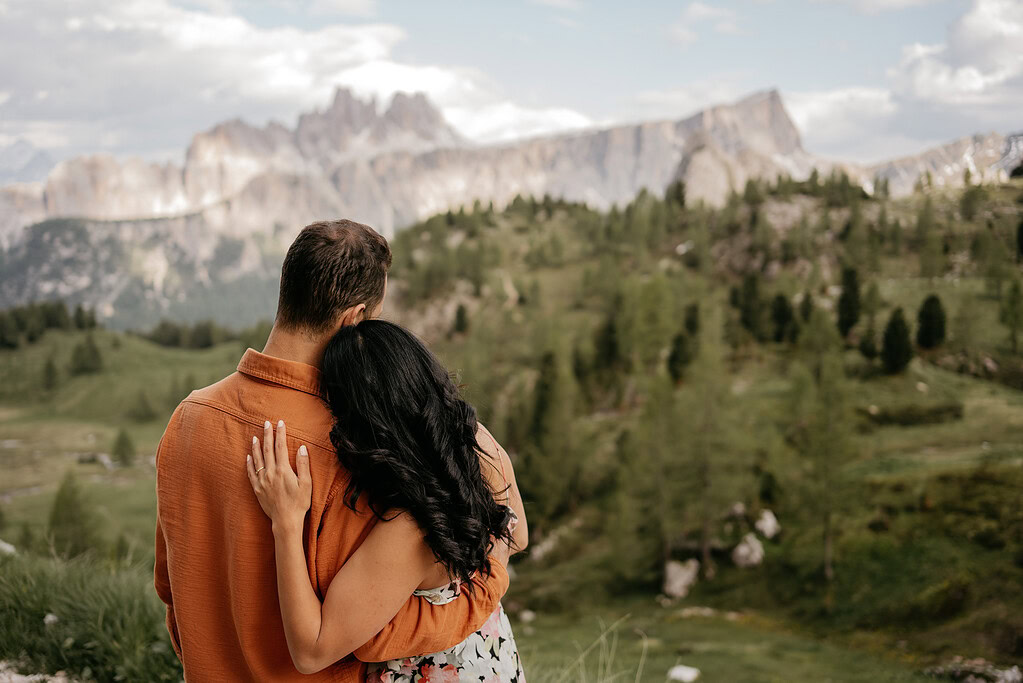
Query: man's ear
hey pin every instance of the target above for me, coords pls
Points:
(354, 315)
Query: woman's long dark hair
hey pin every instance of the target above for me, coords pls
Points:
(409, 441)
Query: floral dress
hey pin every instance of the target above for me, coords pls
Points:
(487, 656)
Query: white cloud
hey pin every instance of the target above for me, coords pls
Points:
(150, 74)
(972, 82)
(721, 19)
(358, 8)
(504, 121)
(679, 102)
(875, 6)
(560, 4)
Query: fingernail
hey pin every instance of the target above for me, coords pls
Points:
(266, 425)
(280, 423)
(302, 450)
(248, 457)
(255, 441)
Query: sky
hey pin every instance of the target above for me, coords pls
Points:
(864, 80)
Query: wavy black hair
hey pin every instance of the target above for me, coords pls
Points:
(409, 441)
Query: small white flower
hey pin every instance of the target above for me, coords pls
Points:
(50, 619)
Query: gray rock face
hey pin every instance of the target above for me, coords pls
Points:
(679, 577)
(988, 157)
(150, 240)
(405, 163)
(749, 552)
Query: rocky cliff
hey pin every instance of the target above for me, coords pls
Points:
(192, 240)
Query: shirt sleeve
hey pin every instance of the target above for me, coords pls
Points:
(161, 581)
(421, 627)
(161, 573)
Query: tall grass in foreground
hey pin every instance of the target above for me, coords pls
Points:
(596, 663)
(106, 624)
(93, 622)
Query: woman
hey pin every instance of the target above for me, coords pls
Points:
(416, 453)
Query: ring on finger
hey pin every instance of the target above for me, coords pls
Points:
(261, 469)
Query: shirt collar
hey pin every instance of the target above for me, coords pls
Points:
(287, 373)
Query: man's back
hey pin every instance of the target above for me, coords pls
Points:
(215, 549)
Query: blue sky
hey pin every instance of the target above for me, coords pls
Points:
(864, 79)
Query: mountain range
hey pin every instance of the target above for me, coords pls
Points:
(142, 240)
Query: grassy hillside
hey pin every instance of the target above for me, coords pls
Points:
(636, 427)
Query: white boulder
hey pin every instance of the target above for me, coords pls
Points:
(749, 552)
(767, 524)
(681, 672)
(679, 577)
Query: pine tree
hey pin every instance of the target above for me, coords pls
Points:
(461, 323)
(10, 337)
(1019, 241)
(751, 313)
(806, 306)
(872, 304)
(549, 464)
(849, 301)
(142, 410)
(896, 350)
(123, 449)
(681, 355)
(72, 528)
(868, 344)
(83, 318)
(691, 319)
(930, 331)
(85, 357)
(50, 375)
(932, 256)
(1012, 313)
(924, 222)
(782, 316)
(822, 432)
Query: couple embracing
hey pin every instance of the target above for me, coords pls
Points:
(333, 511)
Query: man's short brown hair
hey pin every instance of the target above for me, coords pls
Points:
(330, 267)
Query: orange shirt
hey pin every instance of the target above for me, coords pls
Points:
(215, 565)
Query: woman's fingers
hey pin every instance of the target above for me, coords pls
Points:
(302, 462)
(281, 449)
(256, 455)
(251, 471)
(268, 449)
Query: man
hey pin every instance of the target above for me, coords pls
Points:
(214, 546)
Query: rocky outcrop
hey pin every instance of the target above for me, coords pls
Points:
(749, 552)
(393, 167)
(679, 577)
(987, 157)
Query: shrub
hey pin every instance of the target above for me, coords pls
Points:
(941, 601)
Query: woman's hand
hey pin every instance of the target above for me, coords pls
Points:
(284, 495)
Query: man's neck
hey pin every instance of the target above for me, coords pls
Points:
(295, 346)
